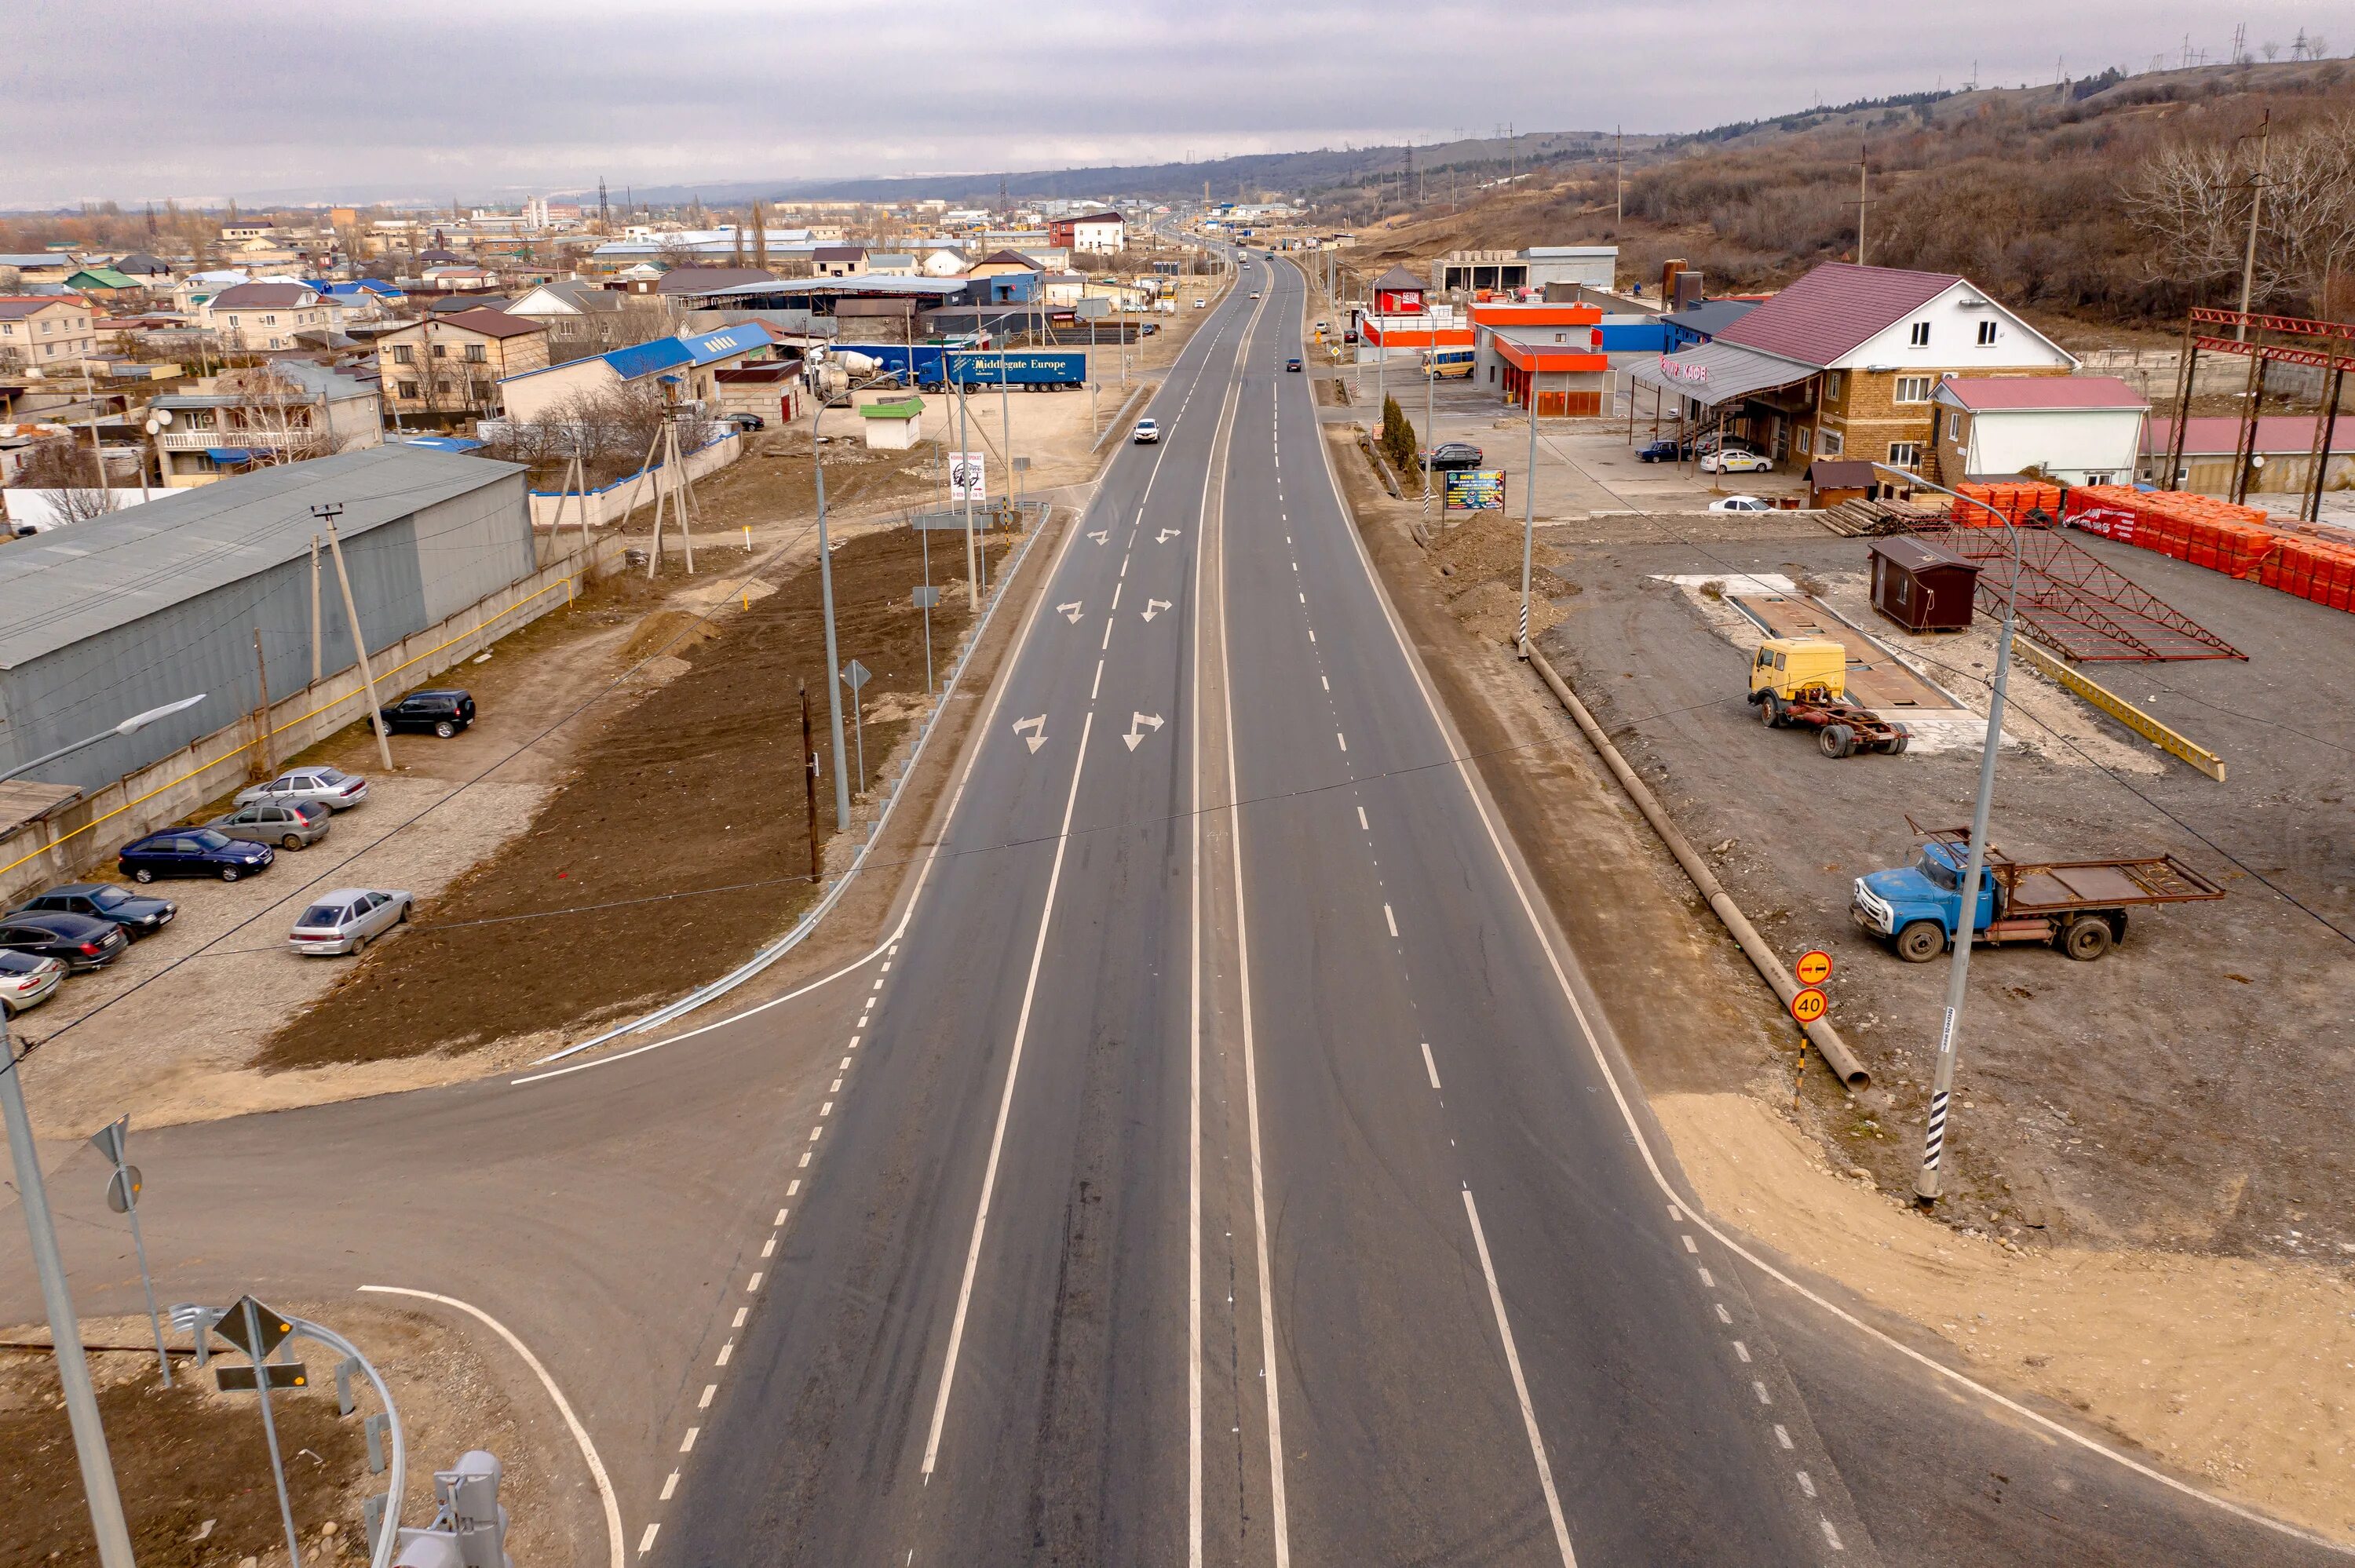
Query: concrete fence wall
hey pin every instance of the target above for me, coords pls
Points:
(610, 505)
(89, 830)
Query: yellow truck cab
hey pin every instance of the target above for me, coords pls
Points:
(1788, 666)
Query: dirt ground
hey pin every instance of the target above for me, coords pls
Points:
(195, 1473)
(680, 838)
(2173, 1286)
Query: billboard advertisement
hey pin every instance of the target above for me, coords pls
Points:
(1474, 489)
(968, 475)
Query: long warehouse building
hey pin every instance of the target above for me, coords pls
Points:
(109, 617)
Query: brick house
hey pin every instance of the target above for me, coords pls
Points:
(1846, 363)
(45, 331)
(262, 316)
(449, 365)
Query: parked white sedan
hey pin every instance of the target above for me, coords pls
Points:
(1733, 461)
(329, 787)
(347, 920)
(1741, 504)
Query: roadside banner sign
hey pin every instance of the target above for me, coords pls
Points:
(1809, 1005)
(1814, 967)
(1474, 489)
(968, 476)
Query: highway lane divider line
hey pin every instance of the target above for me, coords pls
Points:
(1651, 1161)
(1278, 1505)
(1521, 1385)
(612, 1505)
(1005, 1110)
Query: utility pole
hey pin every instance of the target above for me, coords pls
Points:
(1529, 513)
(327, 512)
(1619, 151)
(315, 654)
(261, 727)
(965, 454)
(1862, 170)
(65, 1329)
(2248, 262)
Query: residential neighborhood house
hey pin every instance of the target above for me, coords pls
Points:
(2073, 430)
(257, 317)
(287, 410)
(45, 332)
(449, 365)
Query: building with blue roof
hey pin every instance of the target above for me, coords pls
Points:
(685, 366)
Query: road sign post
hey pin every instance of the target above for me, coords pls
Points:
(1809, 1004)
(927, 597)
(855, 675)
(257, 1330)
(123, 1190)
(1814, 968)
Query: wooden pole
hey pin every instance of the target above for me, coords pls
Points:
(359, 647)
(683, 498)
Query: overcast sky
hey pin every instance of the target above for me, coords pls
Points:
(494, 98)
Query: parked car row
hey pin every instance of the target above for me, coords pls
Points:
(88, 925)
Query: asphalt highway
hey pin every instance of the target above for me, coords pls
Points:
(1223, 1159)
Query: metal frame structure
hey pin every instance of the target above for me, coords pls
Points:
(2334, 357)
(2071, 601)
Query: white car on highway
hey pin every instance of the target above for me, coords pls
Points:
(1146, 433)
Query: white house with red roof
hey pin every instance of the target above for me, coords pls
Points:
(2074, 429)
(1845, 362)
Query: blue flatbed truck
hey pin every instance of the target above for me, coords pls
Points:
(2077, 905)
(1033, 369)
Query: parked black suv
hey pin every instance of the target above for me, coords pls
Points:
(445, 712)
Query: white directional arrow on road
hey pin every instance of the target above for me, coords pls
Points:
(1166, 535)
(1154, 607)
(1038, 728)
(1135, 720)
(1069, 612)
(1101, 535)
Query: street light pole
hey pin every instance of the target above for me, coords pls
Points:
(135, 723)
(65, 1330)
(1927, 1180)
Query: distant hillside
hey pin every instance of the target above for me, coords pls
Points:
(2027, 190)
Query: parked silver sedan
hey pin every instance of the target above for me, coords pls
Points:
(27, 979)
(347, 920)
(294, 824)
(330, 787)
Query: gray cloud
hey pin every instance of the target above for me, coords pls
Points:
(442, 98)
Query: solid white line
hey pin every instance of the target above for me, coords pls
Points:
(1005, 1110)
(1277, 1509)
(1643, 1144)
(563, 1406)
(1428, 1065)
(1520, 1386)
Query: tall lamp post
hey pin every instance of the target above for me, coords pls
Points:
(1927, 1182)
(65, 1330)
(825, 599)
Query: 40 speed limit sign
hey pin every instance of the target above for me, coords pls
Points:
(1809, 1004)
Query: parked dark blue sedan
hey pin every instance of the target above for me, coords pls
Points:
(1661, 451)
(193, 852)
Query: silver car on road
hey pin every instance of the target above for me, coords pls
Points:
(330, 787)
(347, 920)
(294, 824)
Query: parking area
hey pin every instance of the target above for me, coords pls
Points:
(2187, 1090)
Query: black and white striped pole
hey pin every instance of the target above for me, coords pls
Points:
(1926, 1181)
(1529, 511)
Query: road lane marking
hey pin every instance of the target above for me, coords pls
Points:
(670, 1485)
(1390, 919)
(613, 1504)
(1115, 594)
(646, 1541)
(726, 1350)
(1107, 641)
(1361, 820)
(1278, 1508)
(1520, 1386)
(686, 1444)
(1097, 685)
(1342, 738)
(1005, 1110)
(741, 1313)
(1428, 1065)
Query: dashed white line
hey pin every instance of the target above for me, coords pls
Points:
(670, 1485)
(1097, 685)
(1806, 1483)
(1428, 1065)
(726, 1350)
(741, 1313)
(769, 1247)
(646, 1541)
(1388, 918)
(1342, 738)
(752, 1284)
(1781, 1435)
(1361, 818)
(1705, 1279)
(1689, 1243)
(1760, 1388)
(686, 1444)
(1742, 1351)
(709, 1390)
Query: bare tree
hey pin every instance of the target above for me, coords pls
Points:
(2189, 204)
(274, 405)
(71, 472)
(2310, 210)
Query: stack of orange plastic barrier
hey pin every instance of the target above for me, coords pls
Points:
(2014, 500)
(2235, 540)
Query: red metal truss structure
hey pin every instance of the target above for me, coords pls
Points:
(2072, 601)
(2266, 340)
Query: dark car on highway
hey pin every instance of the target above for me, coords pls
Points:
(1453, 454)
(193, 852)
(78, 941)
(445, 712)
(138, 914)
